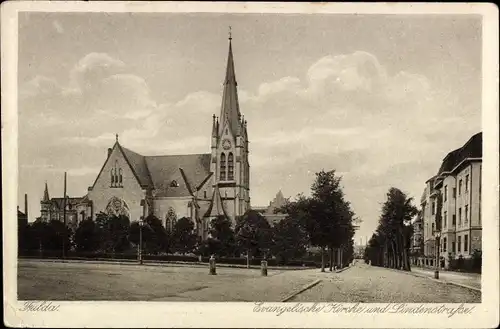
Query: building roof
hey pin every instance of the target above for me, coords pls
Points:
(59, 202)
(230, 109)
(188, 171)
(472, 149)
(138, 164)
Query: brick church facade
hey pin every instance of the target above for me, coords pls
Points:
(197, 186)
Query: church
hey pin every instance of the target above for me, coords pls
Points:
(198, 186)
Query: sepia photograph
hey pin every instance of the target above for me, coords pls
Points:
(309, 159)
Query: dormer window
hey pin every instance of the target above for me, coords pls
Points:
(174, 184)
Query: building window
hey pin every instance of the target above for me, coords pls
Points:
(460, 187)
(445, 193)
(466, 215)
(204, 194)
(433, 208)
(454, 220)
(444, 244)
(459, 244)
(453, 246)
(459, 217)
(445, 217)
(230, 167)
(466, 183)
(116, 176)
(454, 193)
(222, 166)
(466, 243)
(170, 219)
(432, 232)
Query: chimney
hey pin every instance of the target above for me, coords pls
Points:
(109, 151)
(26, 204)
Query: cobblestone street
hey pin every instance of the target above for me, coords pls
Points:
(370, 284)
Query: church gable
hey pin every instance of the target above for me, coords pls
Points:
(117, 171)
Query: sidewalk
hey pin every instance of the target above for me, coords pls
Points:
(468, 280)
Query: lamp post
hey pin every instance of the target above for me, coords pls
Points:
(141, 224)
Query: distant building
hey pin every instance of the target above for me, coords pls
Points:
(459, 182)
(418, 235)
(269, 211)
(77, 209)
(198, 186)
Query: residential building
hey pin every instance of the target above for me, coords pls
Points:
(459, 182)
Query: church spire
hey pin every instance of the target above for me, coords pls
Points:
(46, 193)
(230, 109)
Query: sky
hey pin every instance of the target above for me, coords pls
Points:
(381, 99)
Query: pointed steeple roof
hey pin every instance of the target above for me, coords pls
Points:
(46, 193)
(230, 108)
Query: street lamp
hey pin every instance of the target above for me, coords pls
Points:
(141, 224)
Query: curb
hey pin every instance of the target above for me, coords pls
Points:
(435, 280)
(301, 290)
(445, 281)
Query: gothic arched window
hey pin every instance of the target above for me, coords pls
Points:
(120, 181)
(112, 177)
(170, 219)
(230, 167)
(222, 166)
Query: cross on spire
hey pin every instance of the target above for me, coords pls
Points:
(230, 34)
(117, 137)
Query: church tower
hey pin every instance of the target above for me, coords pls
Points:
(230, 148)
(45, 205)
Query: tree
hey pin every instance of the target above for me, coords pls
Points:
(332, 219)
(155, 238)
(222, 238)
(326, 216)
(87, 236)
(253, 233)
(289, 240)
(183, 236)
(389, 246)
(114, 232)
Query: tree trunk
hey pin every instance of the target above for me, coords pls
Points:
(393, 265)
(322, 258)
(331, 258)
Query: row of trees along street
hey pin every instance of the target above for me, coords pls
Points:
(324, 220)
(390, 244)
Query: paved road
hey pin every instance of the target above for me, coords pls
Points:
(370, 284)
(468, 279)
(91, 281)
(40, 280)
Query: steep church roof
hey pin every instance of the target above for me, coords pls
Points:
(138, 164)
(187, 171)
(230, 109)
(46, 194)
(216, 207)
